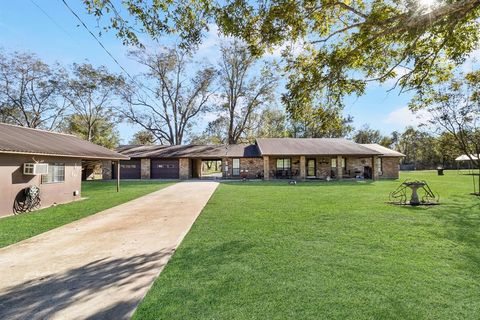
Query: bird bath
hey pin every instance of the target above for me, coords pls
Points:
(414, 185)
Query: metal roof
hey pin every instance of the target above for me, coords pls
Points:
(190, 151)
(386, 152)
(312, 146)
(21, 140)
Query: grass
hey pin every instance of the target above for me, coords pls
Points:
(99, 196)
(269, 250)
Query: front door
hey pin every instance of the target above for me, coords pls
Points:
(311, 168)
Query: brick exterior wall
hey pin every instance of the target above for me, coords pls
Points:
(145, 167)
(250, 168)
(390, 168)
(107, 170)
(355, 166)
(184, 168)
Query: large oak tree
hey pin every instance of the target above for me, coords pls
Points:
(169, 96)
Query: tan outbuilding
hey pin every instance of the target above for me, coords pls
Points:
(50, 161)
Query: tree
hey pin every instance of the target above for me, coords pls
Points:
(214, 133)
(30, 91)
(419, 149)
(310, 121)
(101, 132)
(91, 93)
(143, 137)
(272, 124)
(454, 107)
(367, 135)
(347, 43)
(243, 93)
(166, 100)
(447, 149)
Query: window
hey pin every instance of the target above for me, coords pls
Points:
(236, 167)
(334, 162)
(284, 164)
(56, 173)
(344, 164)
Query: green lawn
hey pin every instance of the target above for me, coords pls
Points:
(269, 250)
(99, 196)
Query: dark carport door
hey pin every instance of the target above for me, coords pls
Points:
(129, 169)
(165, 169)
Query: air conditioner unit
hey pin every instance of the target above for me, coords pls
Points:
(33, 169)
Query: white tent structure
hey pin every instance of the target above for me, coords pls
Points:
(464, 157)
(469, 160)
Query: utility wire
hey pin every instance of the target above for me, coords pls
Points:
(52, 20)
(99, 42)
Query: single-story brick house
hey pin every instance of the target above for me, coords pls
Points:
(51, 161)
(268, 158)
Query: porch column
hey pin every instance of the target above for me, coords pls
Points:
(339, 167)
(302, 167)
(107, 169)
(374, 168)
(266, 168)
(118, 175)
(199, 167)
(184, 170)
(145, 168)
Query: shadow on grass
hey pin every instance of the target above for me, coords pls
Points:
(461, 225)
(42, 298)
(314, 183)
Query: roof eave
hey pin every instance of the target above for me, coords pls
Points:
(64, 155)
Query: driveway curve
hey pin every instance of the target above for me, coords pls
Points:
(99, 267)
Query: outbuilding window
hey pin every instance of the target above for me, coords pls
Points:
(236, 167)
(56, 173)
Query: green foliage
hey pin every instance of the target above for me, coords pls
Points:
(454, 108)
(91, 93)
(269, 250)
(345, 45)
(101, 132)
(419, 148)
(143, 137)
(368, 135)
(308, 121)
(272, 124)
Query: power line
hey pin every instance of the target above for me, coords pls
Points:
(99, 42)
(52, 20)
(140, 85)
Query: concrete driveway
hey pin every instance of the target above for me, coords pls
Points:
(99, 267)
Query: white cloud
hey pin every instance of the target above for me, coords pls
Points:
(404, 117)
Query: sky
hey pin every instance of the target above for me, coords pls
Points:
(49, 29)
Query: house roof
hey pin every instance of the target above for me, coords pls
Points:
(190, 151)
(386, 152)
(21, 140)
(312, 146)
